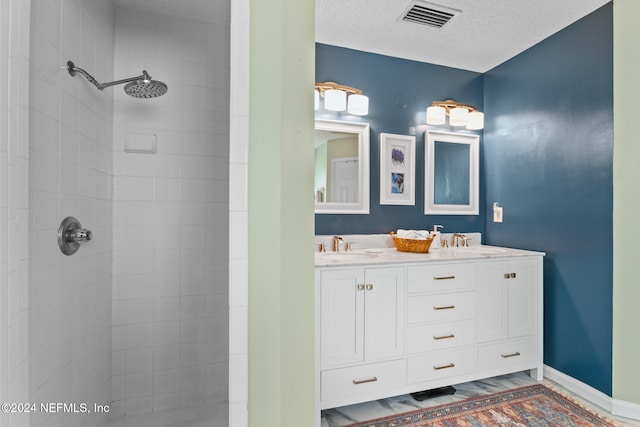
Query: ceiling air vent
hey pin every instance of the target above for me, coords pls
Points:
(429, 14)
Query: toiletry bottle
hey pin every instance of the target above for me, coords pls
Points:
(435, 244)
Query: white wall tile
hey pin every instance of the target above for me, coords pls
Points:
(139, 335)
(140, 188)
(117, 387)
(165, 333)
(139, 310)
(165, 402)
(139, 212)
(166, 309)
(166, 357)
(137, 406)
(238, 330)
(166, 285)
(166, 196)
(138, 360)
(165, 381)
(167, 213)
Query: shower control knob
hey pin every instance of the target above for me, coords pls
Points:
(71, 235)
(81, 235)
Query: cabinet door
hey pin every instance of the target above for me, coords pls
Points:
(522, 290)
(341, 317)
(507, 295)
(384, 313)
(492, 301)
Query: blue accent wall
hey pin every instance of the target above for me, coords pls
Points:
(548, 160)
(399, 92)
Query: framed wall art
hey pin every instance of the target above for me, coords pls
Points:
(397, 169)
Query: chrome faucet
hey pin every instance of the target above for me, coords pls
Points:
(336, 243)
(455, 240)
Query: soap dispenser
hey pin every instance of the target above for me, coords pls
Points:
(435, 243)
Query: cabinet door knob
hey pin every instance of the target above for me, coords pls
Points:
(507, 275)
(513, 275)
(360, 287)
(369, 287)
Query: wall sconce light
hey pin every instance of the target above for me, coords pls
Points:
(339, 97)
(459, 114)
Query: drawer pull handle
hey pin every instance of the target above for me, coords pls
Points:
(444, 277)
(450, 365)
(368, 380)
(506, 356)
(443, 337)
(445, 307)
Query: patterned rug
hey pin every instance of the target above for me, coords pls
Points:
(530, 406)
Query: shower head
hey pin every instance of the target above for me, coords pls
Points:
(139, 87)
(145, 87)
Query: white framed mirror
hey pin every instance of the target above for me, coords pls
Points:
(451, 173)
(341, 178)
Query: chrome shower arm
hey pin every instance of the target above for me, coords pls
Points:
(144, 76)
(72, 69)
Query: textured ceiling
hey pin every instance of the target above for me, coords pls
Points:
(485, 33)
(206, 10)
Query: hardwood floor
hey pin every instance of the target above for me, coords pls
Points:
(339, 417)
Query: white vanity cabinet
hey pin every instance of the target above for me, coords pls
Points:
(397, 325)
(361, 332)
(509, 314)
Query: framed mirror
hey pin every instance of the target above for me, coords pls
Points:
(341, 179)
(451, 173)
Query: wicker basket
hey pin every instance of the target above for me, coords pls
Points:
(420, 246)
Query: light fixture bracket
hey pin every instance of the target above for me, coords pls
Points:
(450, 104)
(322, 87)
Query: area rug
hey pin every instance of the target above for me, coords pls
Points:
(530, 406)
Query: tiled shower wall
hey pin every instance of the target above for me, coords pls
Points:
(70, 168)
(171, 251)
(14, 166)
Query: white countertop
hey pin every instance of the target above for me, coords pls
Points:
(392, 256)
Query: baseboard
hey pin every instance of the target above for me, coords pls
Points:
(578, 387)
(616, 407)
(626, 409)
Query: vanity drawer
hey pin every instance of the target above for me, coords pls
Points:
(440, 336)
(508, 355)
(442, 307)
(441, 364)
(361, 380)
(441, 277)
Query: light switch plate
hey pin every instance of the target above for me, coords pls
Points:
(497, 213)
